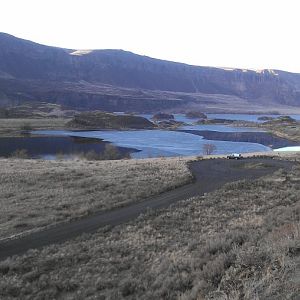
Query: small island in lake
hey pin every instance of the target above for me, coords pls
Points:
(104, 120)
(196, 115)
(283, 120)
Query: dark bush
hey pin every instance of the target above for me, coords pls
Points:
(26, 127)
(20, 153)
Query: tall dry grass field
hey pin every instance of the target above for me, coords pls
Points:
(37, 193)
(240, 242)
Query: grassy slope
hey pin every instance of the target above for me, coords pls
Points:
(291, 132)
(241, 242)
(36, 193)
(14, 126)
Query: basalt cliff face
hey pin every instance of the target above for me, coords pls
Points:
(116, 80)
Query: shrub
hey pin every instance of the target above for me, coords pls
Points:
(60, 156)
(208, 149)
(111, 152)
(20, 153)
(26, 127)
(91, 155)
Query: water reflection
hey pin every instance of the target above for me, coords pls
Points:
(49, 147)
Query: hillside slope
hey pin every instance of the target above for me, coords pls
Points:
(117, 79)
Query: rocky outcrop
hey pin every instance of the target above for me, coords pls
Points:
(196, 115)
(282, 120)
(162, 116)
(170, 124)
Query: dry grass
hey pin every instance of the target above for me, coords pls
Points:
(291, 132)
(36, 193)
(12, 127)
(241, 242)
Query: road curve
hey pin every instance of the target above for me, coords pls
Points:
(209, 175)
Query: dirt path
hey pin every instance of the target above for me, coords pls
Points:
(209, 175)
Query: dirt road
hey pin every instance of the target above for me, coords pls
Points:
(209, 175)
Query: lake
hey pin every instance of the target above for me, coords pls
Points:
(154, 143)
(188, 140)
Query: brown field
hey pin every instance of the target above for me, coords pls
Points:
(240, 242)
(36, 193)
(13, 127)
(289, 132)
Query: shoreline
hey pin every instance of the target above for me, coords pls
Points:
(263, 138)
(51, 147)
(273, 138)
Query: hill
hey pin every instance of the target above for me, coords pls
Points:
(102, 120)
(117, 80)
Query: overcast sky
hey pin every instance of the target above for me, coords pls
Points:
(253, 34)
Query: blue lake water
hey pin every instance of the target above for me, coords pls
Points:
(53, 146)
(154, 143)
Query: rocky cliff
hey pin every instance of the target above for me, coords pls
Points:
(119, 80)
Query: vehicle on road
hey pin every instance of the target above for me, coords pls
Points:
(235, 156)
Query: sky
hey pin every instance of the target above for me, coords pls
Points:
(252, 34)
